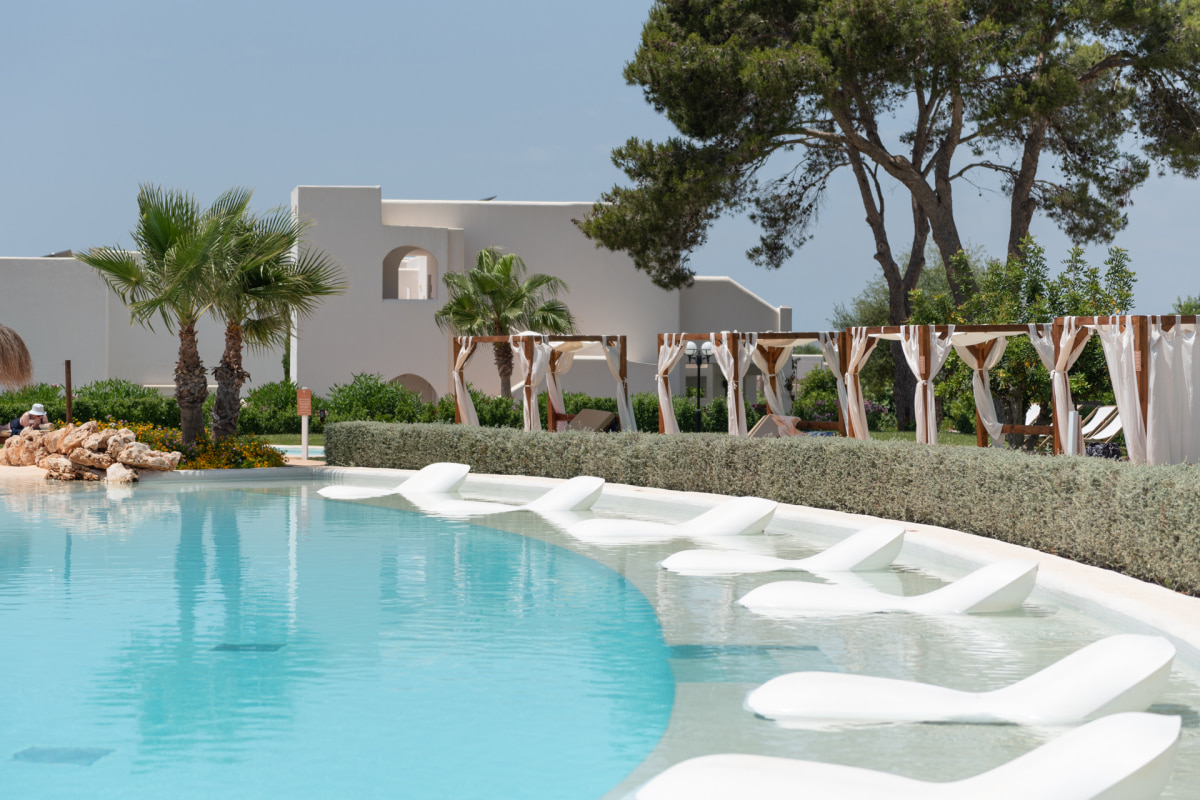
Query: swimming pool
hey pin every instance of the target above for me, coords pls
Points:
(314, 450)
(228, 642)
(715, 650)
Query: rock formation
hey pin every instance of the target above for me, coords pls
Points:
(86, 453)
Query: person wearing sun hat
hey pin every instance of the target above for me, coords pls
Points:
(33, 418)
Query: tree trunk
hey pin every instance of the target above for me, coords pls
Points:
(191, 384)
(1023, 204)
(230, 377)
(504, 365)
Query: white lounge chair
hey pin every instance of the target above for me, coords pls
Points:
(738, 516)
(875, 547)
(1120, 757)
(577, 494)
(1001, 586)
(1121, 673)
(429, 490)
(1108, 432)
(1097, 420)
(441, 477)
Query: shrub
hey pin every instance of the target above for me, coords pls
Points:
(238, 452)
(124, 400)
(1135, 519)
(14, 404)
(370, 397)
(271, 408)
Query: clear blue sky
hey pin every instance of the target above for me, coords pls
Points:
(432, 100)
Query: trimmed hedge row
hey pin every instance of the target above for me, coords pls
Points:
(1139, 520)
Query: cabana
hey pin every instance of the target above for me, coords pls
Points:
(1155, 373)
(926, 348)
(542, 357)
(734, 351)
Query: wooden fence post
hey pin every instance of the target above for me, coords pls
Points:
(67, 390)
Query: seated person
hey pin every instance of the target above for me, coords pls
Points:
(33, 418)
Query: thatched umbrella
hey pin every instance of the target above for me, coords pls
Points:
(16, 367)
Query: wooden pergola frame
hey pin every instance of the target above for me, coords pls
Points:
(527, 342)
(1141, 343)
(981, 351)
(769, 352)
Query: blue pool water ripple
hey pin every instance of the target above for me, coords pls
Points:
(420, 658)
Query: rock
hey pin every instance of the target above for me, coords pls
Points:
(32, 437)
(4, 451)
(58, 467)
(12, 441)
(122, 439)
(53, 440)
(89, 474)
(76, 437)
(98, 442)
(29, 454)
(140, 455)
(88, 458)
(119, 473)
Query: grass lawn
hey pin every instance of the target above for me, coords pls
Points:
(294, 438)
(959, 439)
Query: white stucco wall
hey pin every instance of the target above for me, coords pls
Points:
(716, 303)
(363, 332)
(63, 310)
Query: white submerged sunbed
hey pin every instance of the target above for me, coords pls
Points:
(1001, 586)
(1120, 757)
(875, 547)
(742, 515)
(1121, 673)
(429, 489)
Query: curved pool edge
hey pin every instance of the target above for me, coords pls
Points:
(1108, 595)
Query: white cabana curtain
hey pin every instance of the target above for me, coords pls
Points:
(1119, 352)
(828, 342)
(733, 364)
(982, 388)
(849, 388)
(533, 382)
(777, 398)
(557, 367)
(1173, 424)
(466, 406)
(925, 399)
(1065, 417)
(612, 354)
(668, 356)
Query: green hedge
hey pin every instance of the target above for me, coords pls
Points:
(1138, 520)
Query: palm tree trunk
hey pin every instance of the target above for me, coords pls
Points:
(504, 365)
(230, 377)
(191, 384)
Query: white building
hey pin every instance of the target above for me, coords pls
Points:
(394, 253)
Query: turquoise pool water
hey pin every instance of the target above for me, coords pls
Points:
(268, 643)
(314, 450)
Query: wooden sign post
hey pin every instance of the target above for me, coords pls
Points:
(304, 409)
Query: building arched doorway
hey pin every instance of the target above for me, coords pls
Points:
(415, 383)
(410, 273)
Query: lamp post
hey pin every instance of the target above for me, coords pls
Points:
(699, 355)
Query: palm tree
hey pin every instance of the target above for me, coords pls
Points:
(174, 241)
(16, 367)
(495, 299)
(262, 277)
